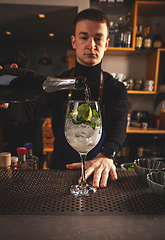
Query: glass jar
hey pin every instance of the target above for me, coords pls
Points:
(31, 159)
(14, 163)
(5, 160)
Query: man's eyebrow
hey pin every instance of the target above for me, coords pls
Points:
(100, 34)
(97, 34)
(84, 33)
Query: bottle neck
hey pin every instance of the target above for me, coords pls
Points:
(148, 31)
(157, 28)
(140, 30)
(29, 152)
(21, 158)
(52, 84)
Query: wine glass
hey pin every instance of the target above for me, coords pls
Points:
(83, 129)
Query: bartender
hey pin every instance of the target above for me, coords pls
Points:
(90, 41)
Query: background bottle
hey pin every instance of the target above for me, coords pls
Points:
(144, 37)
(127, 32)
(119, 35)
(147, 39)
(162, 117)
(30, 158)
(140, 152)
(154, 146)
(18, 85)
(157, 39)
(111, 1)
(119, 1)
(111, 34)
(116, 33)
(22, 162)
(139, 37)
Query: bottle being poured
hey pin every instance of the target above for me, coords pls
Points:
(19, 85)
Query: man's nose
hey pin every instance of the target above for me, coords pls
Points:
(91, 43)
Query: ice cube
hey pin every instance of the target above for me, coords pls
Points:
(85, 131)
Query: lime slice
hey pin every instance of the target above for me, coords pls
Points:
(95, 114)
(84, 112)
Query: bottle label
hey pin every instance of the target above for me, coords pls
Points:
(139, 41)
(147, 43)
(157, 44)
(6, 79)
(128, 40)
(111, 31)
(140, 152)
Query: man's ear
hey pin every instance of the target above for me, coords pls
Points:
(107, 44)
(73, 41)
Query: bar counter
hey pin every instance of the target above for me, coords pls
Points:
(37, 204)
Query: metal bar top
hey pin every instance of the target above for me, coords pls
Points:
(46, 192)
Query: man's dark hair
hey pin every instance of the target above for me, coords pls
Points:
(91, 14)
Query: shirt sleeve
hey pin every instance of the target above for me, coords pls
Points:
(27, 111)
(116, 110)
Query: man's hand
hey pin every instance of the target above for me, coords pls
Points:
(100, 166)
(5, 105)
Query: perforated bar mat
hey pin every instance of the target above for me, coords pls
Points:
(47, 192)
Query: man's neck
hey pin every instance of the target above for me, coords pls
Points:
(91, 73)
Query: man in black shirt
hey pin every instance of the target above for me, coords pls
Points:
(90, 42)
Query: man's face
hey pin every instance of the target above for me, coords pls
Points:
(90, 42)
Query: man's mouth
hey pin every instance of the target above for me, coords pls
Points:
(91, 55)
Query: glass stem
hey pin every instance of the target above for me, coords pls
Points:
(83, 159)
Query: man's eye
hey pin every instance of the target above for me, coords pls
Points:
(84, 38)
(98, 39)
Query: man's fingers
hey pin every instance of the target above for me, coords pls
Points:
(104, 179)
(89, 170)
(74, 166)
(100, 170)
(97, 177)
(113, 172)
(4, 105)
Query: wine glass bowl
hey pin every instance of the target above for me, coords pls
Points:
(83, 129)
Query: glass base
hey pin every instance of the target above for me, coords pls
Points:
(82, 189)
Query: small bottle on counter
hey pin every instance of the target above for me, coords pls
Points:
(5, 160)
(31, 159)
(22, 162)
(14, 163)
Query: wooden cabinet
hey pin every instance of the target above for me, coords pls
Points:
(145, 12)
